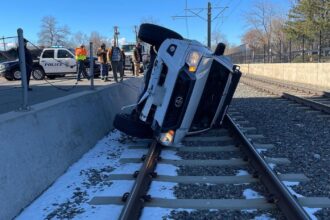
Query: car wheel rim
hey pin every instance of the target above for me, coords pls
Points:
(38, 74)
(17, 74)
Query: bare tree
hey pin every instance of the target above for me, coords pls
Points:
(97, 39)
(261, 18)
(278, 37)
(253, 40)
(217, 37)
(78, 39)
(51, 33)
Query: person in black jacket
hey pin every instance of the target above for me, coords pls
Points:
(28, 63)
(137, 59)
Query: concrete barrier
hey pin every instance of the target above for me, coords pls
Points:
(38, 146)
(316, 74)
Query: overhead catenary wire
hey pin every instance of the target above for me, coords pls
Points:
(225, 18)
(196, 12)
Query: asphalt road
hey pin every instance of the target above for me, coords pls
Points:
(11, 96)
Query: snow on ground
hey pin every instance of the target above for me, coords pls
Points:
(310, 211)
(167, 169)
(251, 194)
(272, 165)
(263, 217)
(242, 173)
(261, 150)
(163, 190)
(289, 185)
(68, 197)
(155, 213)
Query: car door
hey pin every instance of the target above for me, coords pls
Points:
(67, 61)
(47, 61)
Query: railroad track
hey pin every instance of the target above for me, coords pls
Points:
(236, 139)
(312, 98)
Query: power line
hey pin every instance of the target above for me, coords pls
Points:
(197, 12)
(225, 18)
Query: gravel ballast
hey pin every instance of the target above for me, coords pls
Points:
(300, 136)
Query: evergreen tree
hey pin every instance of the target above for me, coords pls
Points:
(307, 18)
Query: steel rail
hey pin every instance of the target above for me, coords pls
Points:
(316, 105)
(286, 85)
(279, 193)
(138, 195)
(305, 101)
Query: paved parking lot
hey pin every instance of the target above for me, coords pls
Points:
(11, 96)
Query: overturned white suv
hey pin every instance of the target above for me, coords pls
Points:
(187, 89)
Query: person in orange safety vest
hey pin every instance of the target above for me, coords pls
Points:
(81, 55)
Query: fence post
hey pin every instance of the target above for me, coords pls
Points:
(91, 64)
(280, 50)
(245, 53)
(264, 53)
(290, 50)
(320, 47)
(22, 65)
(303, 49)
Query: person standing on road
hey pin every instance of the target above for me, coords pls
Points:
(81, 54)
(136, 59)
(28, 63)
(115, 56)
(102, 58)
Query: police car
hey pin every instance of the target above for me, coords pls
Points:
(58, 61)
(188, 88)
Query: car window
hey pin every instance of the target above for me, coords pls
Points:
(48, 54)
(64, 54)
(128, 48)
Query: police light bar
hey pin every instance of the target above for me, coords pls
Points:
(57, 46)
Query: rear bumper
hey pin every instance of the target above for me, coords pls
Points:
(6, 73)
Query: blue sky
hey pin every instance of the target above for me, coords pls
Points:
(102, 15)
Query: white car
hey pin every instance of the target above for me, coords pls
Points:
(188, 89)
(57, 61)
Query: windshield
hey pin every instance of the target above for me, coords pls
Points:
(128, 48)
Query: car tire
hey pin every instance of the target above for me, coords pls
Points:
(132, 126)
(38, 73)
(17, 74)
(156, 35)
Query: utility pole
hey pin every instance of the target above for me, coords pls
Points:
(116, 33)
(136, 33)
(195, 12)
(209, 14)
(4, 43)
